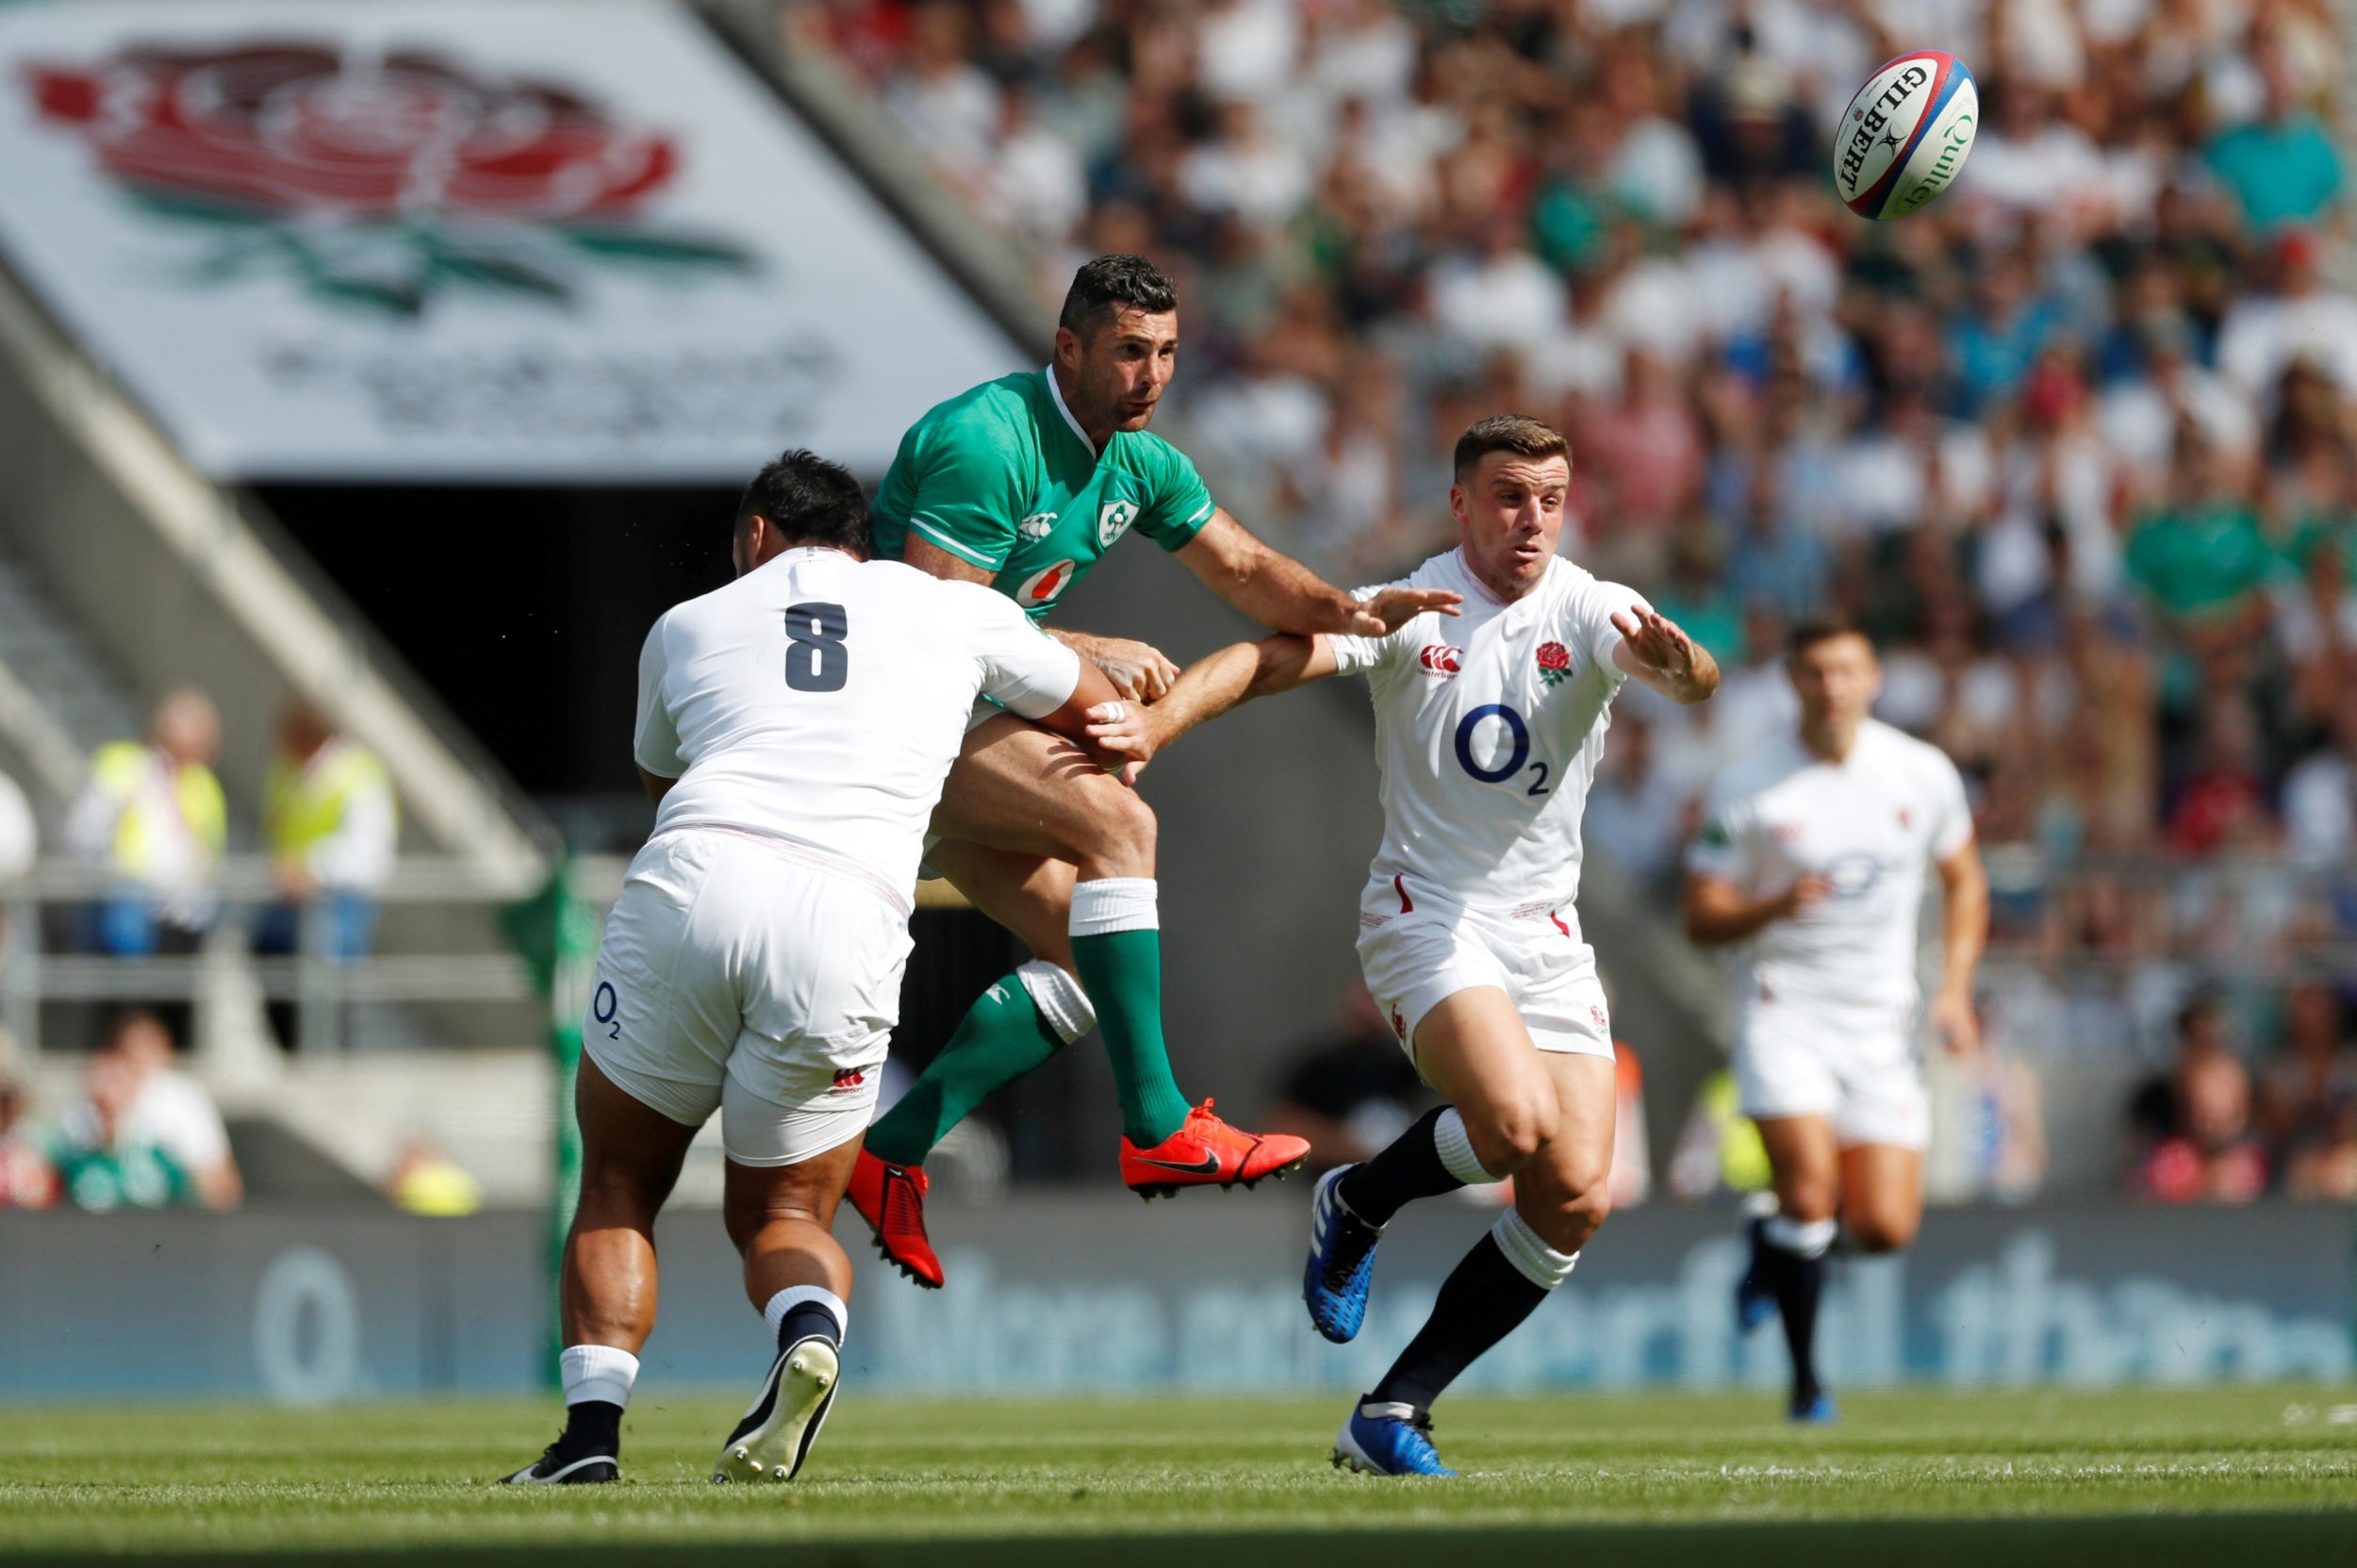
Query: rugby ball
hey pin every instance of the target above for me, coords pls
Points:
(1905, 135)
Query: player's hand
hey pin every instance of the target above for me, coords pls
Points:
(1958, 1025)
(1656, 643)
(1138, 670)
(1126, 737)
(1804, 894)
(1380, 614)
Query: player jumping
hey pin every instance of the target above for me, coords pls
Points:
(1813, 852)
(1488, 730)
(1023, 484)
(793, 730)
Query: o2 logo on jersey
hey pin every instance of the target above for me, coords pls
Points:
(1854, 875)
(1555, 662)
(1438, 659)
(1112, 521)
(1517, 756)
(1035, 527)
(1042, 587)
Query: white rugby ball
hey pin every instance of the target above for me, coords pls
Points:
(1905, 135)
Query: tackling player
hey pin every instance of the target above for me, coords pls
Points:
(794, 728)
(1488, 730)
(1812, 852)
(1023, 484)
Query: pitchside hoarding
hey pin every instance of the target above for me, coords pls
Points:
(532, 240)
(1100, 1295)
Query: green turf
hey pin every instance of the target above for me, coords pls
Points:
(2079, 1478)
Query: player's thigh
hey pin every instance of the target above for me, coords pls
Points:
(1565, 1191)
(1882, 1195)
(1804, 1162)
(1029, 895)
(1015, 786)
(627, 1148)
(1471, 1046)
(808, 1188)
(663, 1009)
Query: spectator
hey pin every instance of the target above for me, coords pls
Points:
(2281, 167)
(103, 1163)
(331, 828)
(1719, 1150)
(2195, 1141)
(2309, 1103)
(1353, 1091)
(2201, 558)
(172, 1110)
(1634, 817)
(153, 816)
(26, 1179)
(424, 1181)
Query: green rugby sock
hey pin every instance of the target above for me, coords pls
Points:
(1118, 947)
(1001, 1037)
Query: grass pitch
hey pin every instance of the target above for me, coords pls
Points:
(1989, 1481)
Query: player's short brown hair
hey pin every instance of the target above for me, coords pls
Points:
(1825, 628)
(1516, 433)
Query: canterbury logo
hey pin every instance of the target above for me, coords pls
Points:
(1439, 659)
(846, 1080)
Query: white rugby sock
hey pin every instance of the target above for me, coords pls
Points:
(1059, 998)
(1528, 1251)
(597, 1372)
(1110, 904)
(1456, 1150)
(810, 1296)
(1801, 1238)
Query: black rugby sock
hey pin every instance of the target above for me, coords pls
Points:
(1484, 1299)
(1408, 1168)
(1798, 1284)
(593, 1427)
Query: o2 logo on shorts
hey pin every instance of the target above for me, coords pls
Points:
(846, 1080)
(606, 1007)
(1439, 659)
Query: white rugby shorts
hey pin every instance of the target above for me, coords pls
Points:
(1856, 1066)
(744, 973)
(1415, 959)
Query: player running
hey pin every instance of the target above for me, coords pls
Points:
(1488, 730)
(794, 728)
(1023, 484)
(1812, 853)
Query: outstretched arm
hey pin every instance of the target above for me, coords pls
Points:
(1655, 650)
(1278, 591)
(1207, 688)
(1964, 894)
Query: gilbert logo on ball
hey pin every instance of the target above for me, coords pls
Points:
(1905, 135)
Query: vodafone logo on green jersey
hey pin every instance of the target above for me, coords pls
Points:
(1042, 587)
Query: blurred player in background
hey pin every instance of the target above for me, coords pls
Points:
(794, 728)
(1489, 727)
(1812, 853)
(1023, 484)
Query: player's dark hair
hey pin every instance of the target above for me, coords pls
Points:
(1823, 628)
(1104, 285)
(1516, 433)
(809, 500)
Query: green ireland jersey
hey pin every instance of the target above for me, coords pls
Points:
(1000, 477)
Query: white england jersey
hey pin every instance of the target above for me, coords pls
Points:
(1870, 825)
(1488, 725)
(821, 699)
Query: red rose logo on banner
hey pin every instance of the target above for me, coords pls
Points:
(409, 173)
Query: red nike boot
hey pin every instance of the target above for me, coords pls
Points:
(1207, 1153)
(891, 1198)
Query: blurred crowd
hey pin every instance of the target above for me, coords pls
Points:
(2078, 443)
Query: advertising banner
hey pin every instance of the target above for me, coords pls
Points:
(568, 241)
(1092, 1295)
